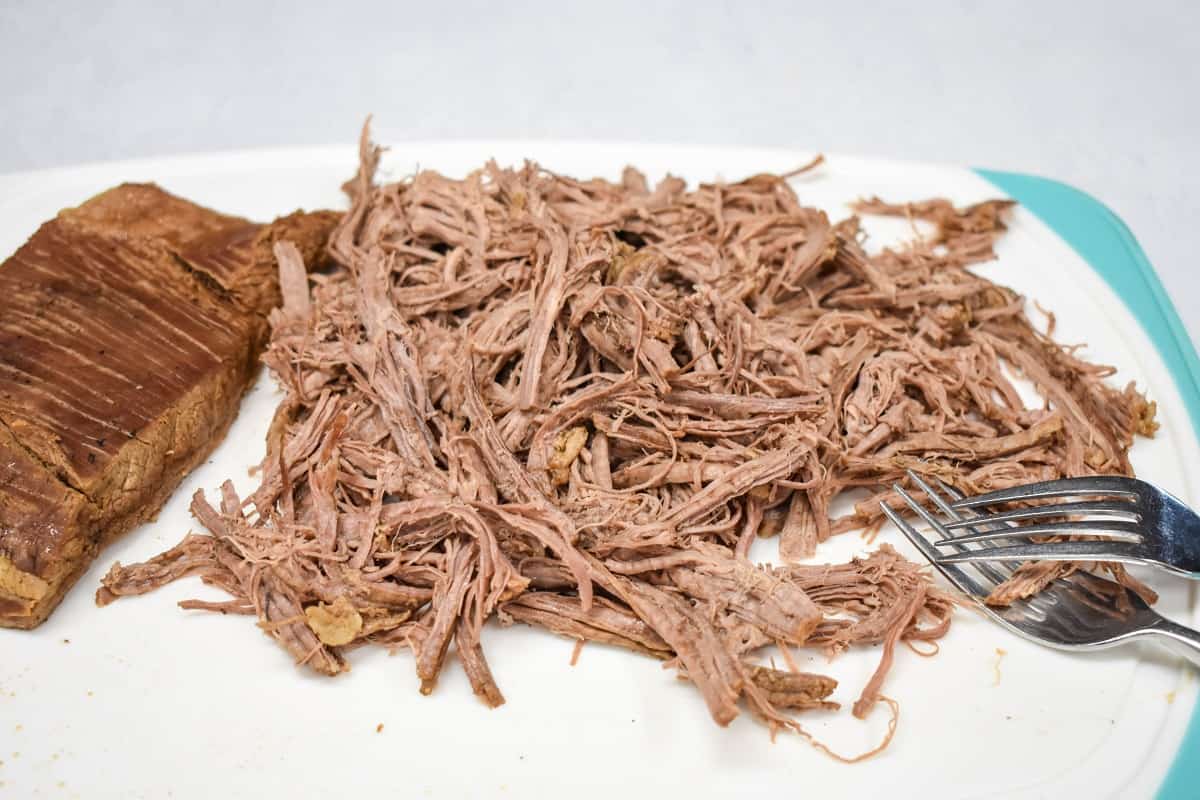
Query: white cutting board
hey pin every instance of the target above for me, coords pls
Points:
(141, 699)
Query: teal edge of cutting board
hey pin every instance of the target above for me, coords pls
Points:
(1104, 241)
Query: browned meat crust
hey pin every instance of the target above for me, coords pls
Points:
(129, 329)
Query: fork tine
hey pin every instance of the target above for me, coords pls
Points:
(954, 494)
(1095, 484)
(1119, 508)
(922, 512)
(1118, 531)
(956, 575)
(942, 505)
(1127, 552)
(997, 574)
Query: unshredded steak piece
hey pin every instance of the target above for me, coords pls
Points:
(578, 404)
(129, 329)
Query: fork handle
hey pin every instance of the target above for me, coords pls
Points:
(1180, 639)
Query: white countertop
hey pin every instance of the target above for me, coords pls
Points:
(1105, 98)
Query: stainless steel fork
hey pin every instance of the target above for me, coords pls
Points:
(1140, 523)
(1073, 613)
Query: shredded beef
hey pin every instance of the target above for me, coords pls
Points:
(576, 404)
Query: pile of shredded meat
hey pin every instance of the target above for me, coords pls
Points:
(577, 404)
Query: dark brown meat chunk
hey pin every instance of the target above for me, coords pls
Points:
(129, 329)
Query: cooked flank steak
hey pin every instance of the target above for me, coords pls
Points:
(129, 329)
(577, 404)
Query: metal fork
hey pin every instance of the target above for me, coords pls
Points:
(1142, 525)
(1073, 613)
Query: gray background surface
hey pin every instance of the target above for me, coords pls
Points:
(1105, 96)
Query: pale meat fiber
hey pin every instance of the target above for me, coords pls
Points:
(575, 404)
